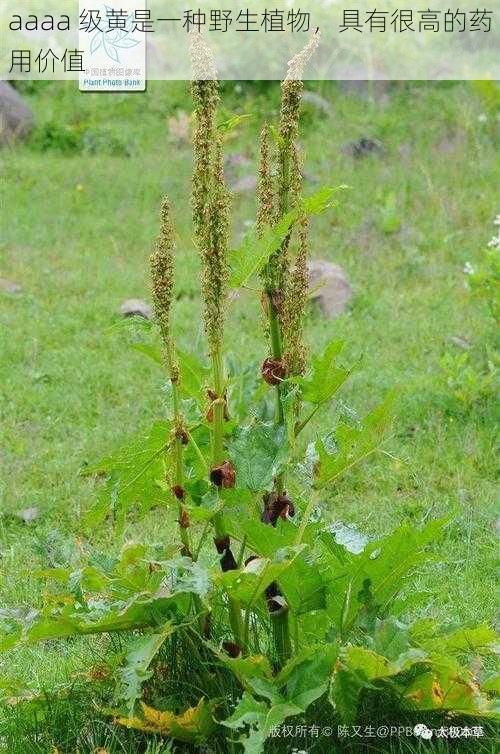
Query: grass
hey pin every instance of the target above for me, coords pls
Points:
(80, 203)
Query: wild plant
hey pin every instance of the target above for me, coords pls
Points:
(269, 613)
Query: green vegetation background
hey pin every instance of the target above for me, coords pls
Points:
(80, 207)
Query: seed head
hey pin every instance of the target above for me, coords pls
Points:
(294, 306)
(288, 163)
(297, 64)
(205, 93)
(162, 272)
(291, 92)
(202, 60)
(295, 174)
(213, 252)
(210, 199)
(265, 210)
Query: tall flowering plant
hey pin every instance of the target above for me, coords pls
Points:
(255, 600)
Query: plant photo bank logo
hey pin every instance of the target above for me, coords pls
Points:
(114, 47)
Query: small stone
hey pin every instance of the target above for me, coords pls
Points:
(136, 307)
(28, 515)
(244, 184)
(329, 287)
(317, 101)
(311, 177)
(405, 151)
(9, 286)
(460, 342)
(16, 118)
(452, 143)
(362, 147)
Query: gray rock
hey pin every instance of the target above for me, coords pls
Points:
(16, 118)
(362, 147)
(28, 515)
(317, 101)
(310, 177)
(9, 286)
(136, 307)
(329, 287)
(460, 342)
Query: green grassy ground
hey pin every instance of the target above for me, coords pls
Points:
(80, 212)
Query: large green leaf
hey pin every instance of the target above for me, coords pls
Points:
(466, 640)
(258, 452)
(258, 718)
(326, 376)
(193, 726)
(302, 583)
(306, 677)
(352, 444)
(445, 685)
(195, 376)
(254, 252)
(131, 473)
(437, 681)
(151, 350)
(358, 669)
(303, 680)
(246, 668)
(361, 586)
(390, 638)
(136, 666)
(71, 619)
(321, 200)
(135, 593)
(248, 583)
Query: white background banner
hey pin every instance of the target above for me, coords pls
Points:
(359, 40)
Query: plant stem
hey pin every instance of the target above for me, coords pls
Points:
(279, 619)
(178, 447)
(218, 425)
(281, 633)
(277, 350)
(235, 617)
(218, 406)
